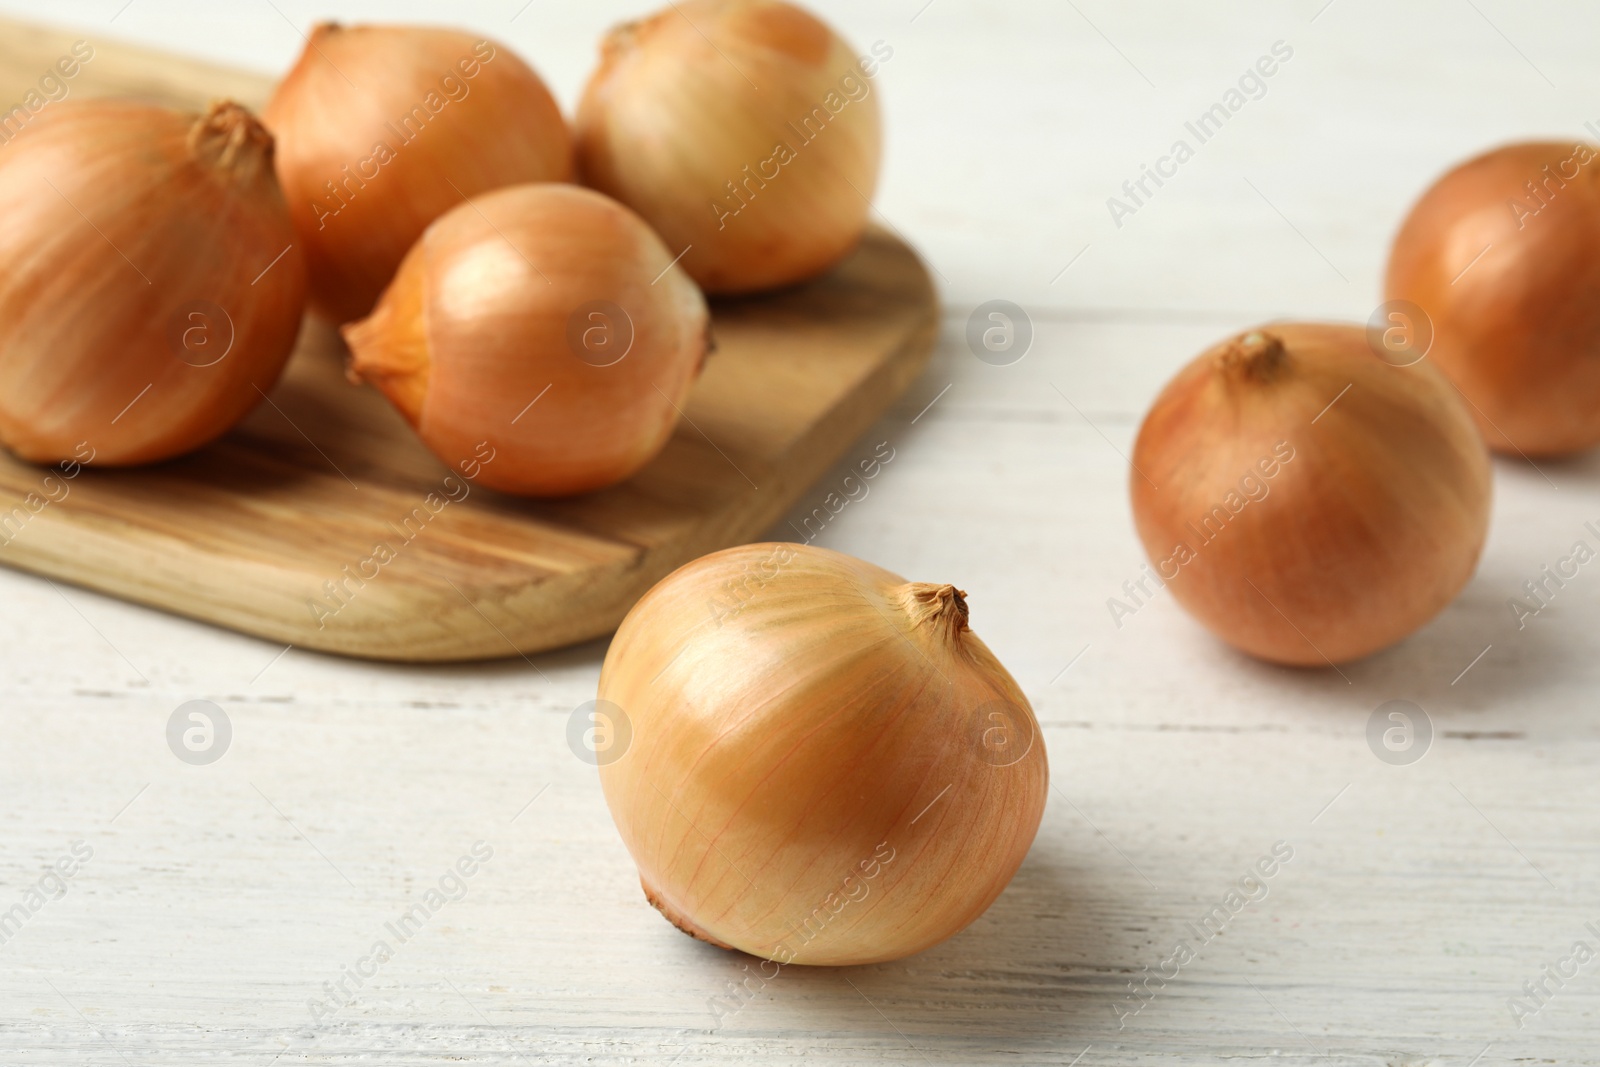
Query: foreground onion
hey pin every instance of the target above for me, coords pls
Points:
(1306, 500)
(535, 290)
(382, 129)
(745, 131)
(149, 293)
(826, 765)
(1503, 255)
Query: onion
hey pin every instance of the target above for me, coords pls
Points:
(745, 131)
(1306, 500)
(531, 290)
(149, 293)
(382, 129)
(1503, 255)
(826, 765)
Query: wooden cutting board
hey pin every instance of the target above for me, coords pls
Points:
(249, 532)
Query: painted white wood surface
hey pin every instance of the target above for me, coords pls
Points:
(219, 899)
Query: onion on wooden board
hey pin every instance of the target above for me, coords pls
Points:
(746, 132)
(545, 326)
(150, 286)
(382, 129)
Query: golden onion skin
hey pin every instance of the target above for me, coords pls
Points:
(826, 765)
(745, 131)
(1503, 254)
(1370, 526)
(150, 290)
(445, 135)
(475, 341)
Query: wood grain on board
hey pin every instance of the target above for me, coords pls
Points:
(250, 532)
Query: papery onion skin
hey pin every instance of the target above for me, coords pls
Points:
(351, 91)
(1367, 530)
(1510, 277)
(132, 237)
(818, 770)
(473, 341)
(687, 111)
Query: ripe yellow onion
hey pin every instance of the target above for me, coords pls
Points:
(826, 766)
(149, 290)
(1306, 500)
(1503, 255)
(528, 291)
(382, 129)
(745, 131)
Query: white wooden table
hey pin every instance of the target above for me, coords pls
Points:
(219, 899)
